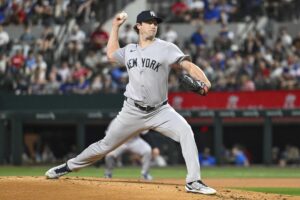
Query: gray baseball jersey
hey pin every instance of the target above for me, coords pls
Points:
(148, 70)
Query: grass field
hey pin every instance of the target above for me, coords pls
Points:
(166, 172)
(176, 172)
(289, 191)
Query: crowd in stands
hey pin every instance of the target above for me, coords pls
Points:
(45, 12)
(224, 11)
(28, 64)
(255, 64)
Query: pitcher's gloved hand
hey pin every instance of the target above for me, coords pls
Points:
(196, 86)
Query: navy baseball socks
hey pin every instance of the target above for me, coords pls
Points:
(199, 187)
(58, 171)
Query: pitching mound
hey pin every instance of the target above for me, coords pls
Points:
(71, 188)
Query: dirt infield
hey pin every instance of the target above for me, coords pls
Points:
(71, 188)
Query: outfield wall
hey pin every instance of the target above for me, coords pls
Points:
(80, 113)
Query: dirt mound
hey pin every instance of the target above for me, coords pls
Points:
(73, 188)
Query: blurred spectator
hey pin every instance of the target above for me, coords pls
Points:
(196, 12)
(3, 64)
(128, 35)
(179, 9)
(18, 15)
(84, 11)
(64, 71)
(93, 60)
(262, 75)
(206, 159)
(239, 156)
(27, 37)
(251, 44)
(17, 62)
(170, 35)
(247, 84)
(42, 64)
(30, 63)
(80, 71)
(286, 80)
(224, 40)
(248, 66)
(4, 39)
(60, 11)
(38, 77)
(21, 85)
(212, 14)
(284, 37)
(76, 42)
(97, 84)
(290, 156)
(219, 61)
(76, 39)
(44, 10)
(99, 38)
(47, 40)
(227, 10)
(52, 86)
(199, 38)
(3, 9)
(82, 86)
(68, 86)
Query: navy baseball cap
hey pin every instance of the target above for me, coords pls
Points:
(147, 15)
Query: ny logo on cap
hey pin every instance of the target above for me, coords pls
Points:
(152, 13)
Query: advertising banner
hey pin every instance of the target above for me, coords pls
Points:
(236, 100)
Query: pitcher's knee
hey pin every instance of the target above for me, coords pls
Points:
(186, 129)
(186, 132)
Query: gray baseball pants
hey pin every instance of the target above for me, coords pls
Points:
(130, 122)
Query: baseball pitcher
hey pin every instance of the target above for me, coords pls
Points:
(145, 107)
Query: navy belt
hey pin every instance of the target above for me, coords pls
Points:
(147, 108)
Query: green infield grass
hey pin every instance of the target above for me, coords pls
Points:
(166, 172)
(288, 191)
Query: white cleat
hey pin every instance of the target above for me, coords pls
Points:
(199, 187)
(58, 171)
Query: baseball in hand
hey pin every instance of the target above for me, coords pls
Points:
(123, 15)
